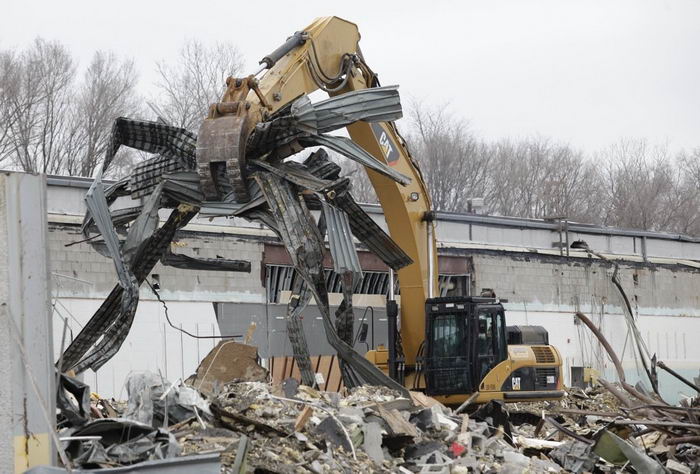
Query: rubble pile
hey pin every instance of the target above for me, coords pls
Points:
(256, 426)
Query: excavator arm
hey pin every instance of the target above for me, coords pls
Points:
(464, 347)
(326, 55)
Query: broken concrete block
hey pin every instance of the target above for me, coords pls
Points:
(351, 415)
(372, 443)
(226, 362)
(515, 458)
(478, 441)
(420, 449)
(434, 462)
(574, 456)
(333, 434)
(677, 468)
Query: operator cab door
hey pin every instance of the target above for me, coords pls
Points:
(491, 338)
(449, 362)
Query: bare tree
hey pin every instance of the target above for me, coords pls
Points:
(453, 161)
(570, 187)
(639, 182)
(684, 202)
(362, 189)
(511, 179)
(198, 79)
(108, 90)
(538, 179)
(51, 123)
(10, 82)
(35, 92)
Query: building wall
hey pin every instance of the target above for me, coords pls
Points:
(27, 391)
(82, 279)
(518, 258)
(547, 292)
(80, 271)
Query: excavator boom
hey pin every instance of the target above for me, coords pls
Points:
(463, 349)
(326, 56)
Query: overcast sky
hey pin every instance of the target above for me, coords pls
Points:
(586, 73)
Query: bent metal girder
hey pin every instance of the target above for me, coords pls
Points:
(239, 170)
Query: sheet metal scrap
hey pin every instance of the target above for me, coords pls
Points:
(218, 264)
(275, 193)
(299, 299)
(303, 118)
(284, 427)
(109, 312)
(342, 248)
(135, 257)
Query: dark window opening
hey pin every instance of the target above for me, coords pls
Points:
(491, 340)
(279, 278)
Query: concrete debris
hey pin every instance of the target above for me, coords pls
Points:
(226, 362)
(256, 426)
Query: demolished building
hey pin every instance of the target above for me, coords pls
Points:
(524, 260)
(237, 167)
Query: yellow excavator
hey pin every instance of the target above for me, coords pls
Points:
(448, 347)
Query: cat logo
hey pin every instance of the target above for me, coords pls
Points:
(388, 148)
(515, 383)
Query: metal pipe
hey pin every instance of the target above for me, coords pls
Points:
(613, 357)
(262, 68)
(297, 39)
(392, 312)
(683, 439)
(392, 297)
(431, 266)
(678, 376)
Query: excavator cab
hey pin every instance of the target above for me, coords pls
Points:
(465, 339)
(469, 349)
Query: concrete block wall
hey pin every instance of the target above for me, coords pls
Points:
(82, 278)
(547, 292)
(568, 282)
(79, 271)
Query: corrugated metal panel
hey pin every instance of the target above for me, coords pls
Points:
(280, 278)
(319, 164)
(342, 247)
(379, 104)
(299, 175)
(370, 234)
(350, 149)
